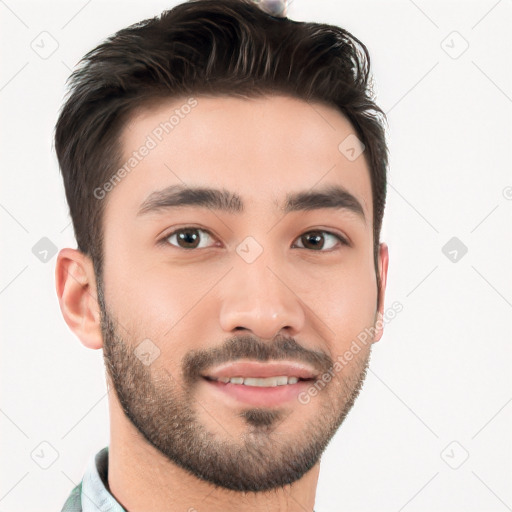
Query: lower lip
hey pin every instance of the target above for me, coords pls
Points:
(260, 396)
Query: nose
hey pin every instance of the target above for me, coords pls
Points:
(259, 298)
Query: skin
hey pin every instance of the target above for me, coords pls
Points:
(187, 301)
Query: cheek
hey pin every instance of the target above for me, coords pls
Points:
(159, 301)
(346, 301)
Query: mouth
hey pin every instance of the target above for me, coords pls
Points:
(259, 384)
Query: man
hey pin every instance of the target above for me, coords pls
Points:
(225, 170)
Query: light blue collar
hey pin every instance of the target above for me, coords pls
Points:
(95, 495)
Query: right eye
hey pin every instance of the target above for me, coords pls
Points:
(187, 238)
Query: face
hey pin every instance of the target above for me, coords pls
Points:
(226, 313)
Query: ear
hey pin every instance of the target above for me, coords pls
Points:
(76, 289)
(383, 271)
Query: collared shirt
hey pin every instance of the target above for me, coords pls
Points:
(92, 494)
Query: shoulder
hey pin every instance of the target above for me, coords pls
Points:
(74, 501)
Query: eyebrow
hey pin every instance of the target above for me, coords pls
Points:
(178, 196)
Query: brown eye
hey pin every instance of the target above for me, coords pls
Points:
(316, 240)
(188, 238)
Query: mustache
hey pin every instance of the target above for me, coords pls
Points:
(249, 347)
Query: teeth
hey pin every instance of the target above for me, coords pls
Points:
(260, 382)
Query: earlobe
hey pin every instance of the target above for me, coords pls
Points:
(77, 293)
(383, 270)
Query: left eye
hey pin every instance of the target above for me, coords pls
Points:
(315, 239)
(189, 238)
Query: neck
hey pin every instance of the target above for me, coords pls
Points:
(142, 479)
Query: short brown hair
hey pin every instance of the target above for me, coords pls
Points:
(213, 47)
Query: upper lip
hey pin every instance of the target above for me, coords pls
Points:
(261, 370)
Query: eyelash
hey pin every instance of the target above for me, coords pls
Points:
(165, 240)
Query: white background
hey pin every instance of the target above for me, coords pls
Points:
(442, 371)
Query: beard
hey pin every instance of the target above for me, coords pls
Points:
(164, 409)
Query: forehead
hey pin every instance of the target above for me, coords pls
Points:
(260, 148)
